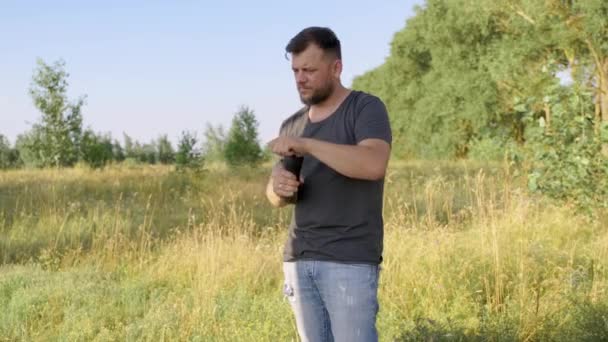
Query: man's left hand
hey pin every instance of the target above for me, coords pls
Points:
(288, 146)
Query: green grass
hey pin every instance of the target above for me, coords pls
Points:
(148, 254)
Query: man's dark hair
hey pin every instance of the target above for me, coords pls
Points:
(323, 37)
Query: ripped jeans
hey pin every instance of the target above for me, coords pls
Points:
(333, 301)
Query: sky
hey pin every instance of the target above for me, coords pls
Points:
(149, 68)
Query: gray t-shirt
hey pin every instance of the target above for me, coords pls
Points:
(338, 218)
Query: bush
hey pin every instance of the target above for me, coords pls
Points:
(566, 152)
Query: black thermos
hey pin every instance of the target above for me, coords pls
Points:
(293, 164)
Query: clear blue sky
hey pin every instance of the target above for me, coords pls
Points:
(160, 67)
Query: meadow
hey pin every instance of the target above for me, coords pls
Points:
(147, 253)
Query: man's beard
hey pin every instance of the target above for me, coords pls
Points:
(319, 95)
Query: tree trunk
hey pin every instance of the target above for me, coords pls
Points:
(601, 67)
(598, 112)
(603, 98)
(604, 90)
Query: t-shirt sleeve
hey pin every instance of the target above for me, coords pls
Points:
(373, 123)
(293, 126)
(284, 130)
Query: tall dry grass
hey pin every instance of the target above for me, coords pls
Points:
(146, 253)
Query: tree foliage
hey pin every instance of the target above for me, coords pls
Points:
(55, 139)
(97, 150)
(214, 142)
(165, 151)
(187, 154)
(242, 146)
(9, 157)
(465, 76)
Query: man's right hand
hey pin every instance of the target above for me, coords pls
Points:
(284, 183)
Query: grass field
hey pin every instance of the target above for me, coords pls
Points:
(150, 254)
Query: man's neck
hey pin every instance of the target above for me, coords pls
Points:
(323, 110)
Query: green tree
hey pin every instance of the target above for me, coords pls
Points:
(97, 149)
(6, 153)
(465, 77)
(242, 146)
(567, 125)
(129, 149)
(118, 153)
(438, 92)
(187, 155)
(147, 152)
(56, 140)
(27, 146)
(166, 154)
(214, 143)
(136, 152)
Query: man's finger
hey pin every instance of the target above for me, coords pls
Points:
(286, 174)
(286, 184)
(292, 183)
(284, 192)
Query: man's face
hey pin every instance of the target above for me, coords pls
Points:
(316, 74)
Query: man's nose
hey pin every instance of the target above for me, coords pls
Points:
(300, 77)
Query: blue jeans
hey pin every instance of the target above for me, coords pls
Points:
(333, 301)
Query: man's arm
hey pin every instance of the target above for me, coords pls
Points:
(282, 184)
(366, 160)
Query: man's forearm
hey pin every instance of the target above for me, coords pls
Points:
(354, 161)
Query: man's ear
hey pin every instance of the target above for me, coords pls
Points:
(337, 68)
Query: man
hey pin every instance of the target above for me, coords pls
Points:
(334, 247)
